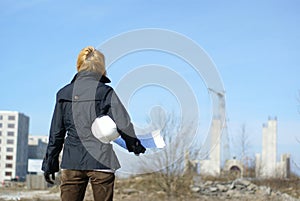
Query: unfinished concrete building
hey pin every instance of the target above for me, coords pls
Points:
(234, 167)
(266, 162)
(212, 166)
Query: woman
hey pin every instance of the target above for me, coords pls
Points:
(85, 158)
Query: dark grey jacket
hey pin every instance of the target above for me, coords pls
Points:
(77, 105)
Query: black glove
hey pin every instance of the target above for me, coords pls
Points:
(47, 177)
(133, 144)
(138, 148)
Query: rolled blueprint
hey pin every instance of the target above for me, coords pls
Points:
(149, 140)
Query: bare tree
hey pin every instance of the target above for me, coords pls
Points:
(297, 139)
(243, 147)
(243, 143)
(169, 164)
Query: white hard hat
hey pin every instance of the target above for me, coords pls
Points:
(105, 129)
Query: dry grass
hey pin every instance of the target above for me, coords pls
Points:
(154, 186)
(289, 186)
(154, 182)
(149, 187)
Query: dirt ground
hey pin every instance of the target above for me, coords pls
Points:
(139, 189)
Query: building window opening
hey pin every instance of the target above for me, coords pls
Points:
(8, 173)
(10, 133)
(10, 125)
(11, 118)
(8, 165)
(9, 157)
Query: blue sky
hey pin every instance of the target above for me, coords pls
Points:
(254, 44)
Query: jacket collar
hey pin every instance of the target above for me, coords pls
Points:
(93, 75)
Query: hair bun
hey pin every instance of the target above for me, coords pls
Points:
(89, 51)
(91, 59)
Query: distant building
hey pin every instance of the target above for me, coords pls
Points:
(37, 146)
(14, 128)
(266, 163)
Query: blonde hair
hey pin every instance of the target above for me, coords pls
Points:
(90, 59)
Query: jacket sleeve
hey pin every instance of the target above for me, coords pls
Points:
(121, 117)
(56, 140)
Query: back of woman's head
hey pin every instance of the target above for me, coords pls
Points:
(90, 59)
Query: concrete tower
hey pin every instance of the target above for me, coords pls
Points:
(212, 166)
(269, 148)
(266, 163)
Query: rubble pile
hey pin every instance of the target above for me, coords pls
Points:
(239, 188)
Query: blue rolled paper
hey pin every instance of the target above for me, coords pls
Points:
(149, 140)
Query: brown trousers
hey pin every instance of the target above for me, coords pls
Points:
(74, 183)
